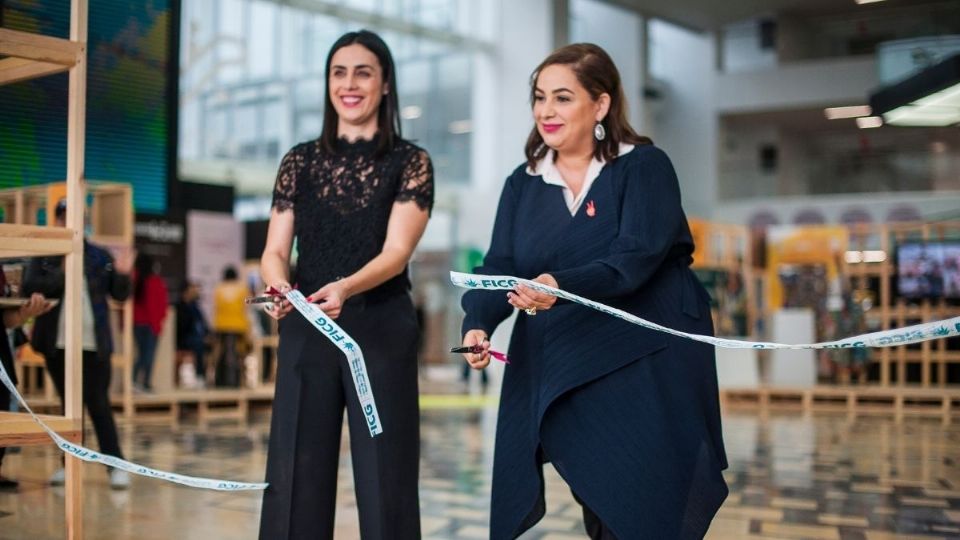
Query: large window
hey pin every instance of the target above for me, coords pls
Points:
(252, 82)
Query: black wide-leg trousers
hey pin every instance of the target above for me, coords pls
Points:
(313, 387)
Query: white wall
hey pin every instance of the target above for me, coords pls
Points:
(835, 159)
(620, 33)
(740, 174)
(685, 124)
(501, 114)
(741, 48)
(820, 83)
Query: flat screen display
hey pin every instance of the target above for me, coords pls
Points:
(128, 101)
(928, 270)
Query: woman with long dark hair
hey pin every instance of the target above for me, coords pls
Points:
(628, 416)
(357, 200)
(149, 311)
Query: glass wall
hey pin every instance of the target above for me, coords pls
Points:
(252, 81)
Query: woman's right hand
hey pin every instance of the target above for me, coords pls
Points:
(279, 310)
(477, 337)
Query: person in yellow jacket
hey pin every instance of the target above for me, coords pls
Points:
(231, 325)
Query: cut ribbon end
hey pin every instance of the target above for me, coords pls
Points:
(500, 356)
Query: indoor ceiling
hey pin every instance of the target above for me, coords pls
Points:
(706, 15)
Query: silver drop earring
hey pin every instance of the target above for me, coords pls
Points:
(599, 132)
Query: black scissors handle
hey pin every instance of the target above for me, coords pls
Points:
(265, 299)
(474, 349)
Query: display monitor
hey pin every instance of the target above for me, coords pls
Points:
(928, 270)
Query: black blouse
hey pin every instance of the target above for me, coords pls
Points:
(342, 204)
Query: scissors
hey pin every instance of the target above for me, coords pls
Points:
(478, 349)
(270, 296)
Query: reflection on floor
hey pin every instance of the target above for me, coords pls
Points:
(790, 477)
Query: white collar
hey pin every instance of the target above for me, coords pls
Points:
(547, 168)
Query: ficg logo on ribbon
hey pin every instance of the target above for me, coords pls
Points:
(346, 344)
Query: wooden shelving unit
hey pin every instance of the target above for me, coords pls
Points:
(111, 218)
(893, 312)
(26, 56)
(726, 247)
(34, 241)
(30, 55)
(891, 393)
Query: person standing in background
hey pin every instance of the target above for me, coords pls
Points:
(149, 312)
(231, 324)
(192, 330)
(103, 277)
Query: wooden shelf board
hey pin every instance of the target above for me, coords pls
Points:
(20, 69)
(210, 395)
(19, 429)
(40, 48)
(33, 240)
(110, 240)
(916, 355)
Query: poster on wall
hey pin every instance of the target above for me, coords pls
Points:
(163, 238)
(214, 242)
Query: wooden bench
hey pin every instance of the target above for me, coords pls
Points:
(211, 404)
(899, 401)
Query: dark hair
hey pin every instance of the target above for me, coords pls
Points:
(60, 211)
(229, 273)
(597, 73)
(144, 268)
(388, 115)
(186, 286)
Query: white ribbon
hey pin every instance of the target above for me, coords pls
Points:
(318, 319)
(343, 341)
(885, 338)
(87, 454)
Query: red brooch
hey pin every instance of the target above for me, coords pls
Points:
(591, 209)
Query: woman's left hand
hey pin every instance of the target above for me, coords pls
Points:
(330, 297)
(531, 301)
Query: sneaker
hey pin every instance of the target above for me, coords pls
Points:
(59, 478)
(119, 479)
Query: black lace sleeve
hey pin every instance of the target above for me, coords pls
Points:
(285, 189)
(416, 181)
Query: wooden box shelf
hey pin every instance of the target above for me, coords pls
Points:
(33, 241)
(30, 55)
(19, 429)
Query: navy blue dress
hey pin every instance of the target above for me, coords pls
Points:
(628, 416)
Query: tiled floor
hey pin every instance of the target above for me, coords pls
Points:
(791, 477)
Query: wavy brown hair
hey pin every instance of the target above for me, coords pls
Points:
(597, 73)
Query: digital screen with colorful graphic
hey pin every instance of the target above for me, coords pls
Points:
(928, 270)
(127, 100)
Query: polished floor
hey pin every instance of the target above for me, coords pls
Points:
(792, 477)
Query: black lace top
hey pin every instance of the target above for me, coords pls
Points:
(342, 203)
